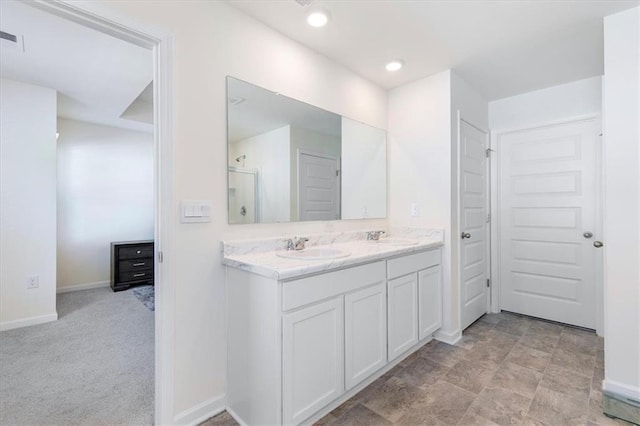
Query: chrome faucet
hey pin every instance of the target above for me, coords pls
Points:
(296, 243)
(374, 235)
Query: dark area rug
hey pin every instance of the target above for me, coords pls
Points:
(146, 295)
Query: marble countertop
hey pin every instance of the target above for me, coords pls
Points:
(260, 256)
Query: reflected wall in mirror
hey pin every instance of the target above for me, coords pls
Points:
(287, 161)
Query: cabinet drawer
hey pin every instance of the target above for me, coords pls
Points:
(308, 290)
(135, 265)
(411, 263)
(135, 252)
(135, 276)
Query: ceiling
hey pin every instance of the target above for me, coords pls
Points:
(253, 111)
(501, 48)
(98, 77)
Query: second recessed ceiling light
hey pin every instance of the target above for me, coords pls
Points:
(318, 18)
(395, 65)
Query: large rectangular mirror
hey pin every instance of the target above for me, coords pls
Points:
(289, 161)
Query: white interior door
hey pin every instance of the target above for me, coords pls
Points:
(318, 196)
(474, 247)
(547, 196)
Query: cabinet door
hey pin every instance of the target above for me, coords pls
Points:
(429, 300)
(403, 314)
(365, 317)
(313, 359)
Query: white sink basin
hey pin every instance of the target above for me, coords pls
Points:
(314, 253)
(394, 242)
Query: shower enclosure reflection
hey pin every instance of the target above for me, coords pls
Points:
(243, 194)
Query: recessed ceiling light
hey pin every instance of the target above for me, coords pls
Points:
(394, 65)
(318, 18)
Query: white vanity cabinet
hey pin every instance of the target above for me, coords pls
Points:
(414, 300)
(298, 347)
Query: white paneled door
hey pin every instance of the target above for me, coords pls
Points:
(318, 187)
(547, 202)
(474, 245)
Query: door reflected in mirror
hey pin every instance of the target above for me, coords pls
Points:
(289, 161)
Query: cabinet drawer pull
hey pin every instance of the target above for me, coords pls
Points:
(141, 274)
(139, 264)
(138, 251)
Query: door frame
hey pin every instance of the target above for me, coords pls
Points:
(300, 152)
(488, 236)
(104, 20)
(495, 209)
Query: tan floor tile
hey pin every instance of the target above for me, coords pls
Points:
(478, 328)
(422, 372)
(473, 419)
(491, 319)
(543, 327)
(579, 342)
(415, 417)
(500, 338)
(445, 402)
(600, 359)
(575, 361)
(596, 380)
(566, 381)
(555, 408)
(469, 341)
(408, 359)
(530, 421)
(541, 342)
(529, 357)
(516, 378)
(360, 415)
(392, 399)
(517, 327)
(326, 420)
(469, 376)
(444, 354)
(222, 419)
(501, 406)
(489, 355)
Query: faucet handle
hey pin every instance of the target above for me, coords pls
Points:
(298, 242)
(290, 245)
(374, 235)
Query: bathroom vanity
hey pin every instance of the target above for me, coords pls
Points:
(305, 335)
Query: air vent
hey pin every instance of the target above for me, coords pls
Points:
(304, 2)
(235, 100)
(7, 36)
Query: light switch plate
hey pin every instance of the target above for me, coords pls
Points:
(195, 211)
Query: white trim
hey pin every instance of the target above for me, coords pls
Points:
(495, 211)
(617, 388)
(100, 18)
(201, 412)
(448, 337)
(85, 286)
(236, 417)
(25, 322)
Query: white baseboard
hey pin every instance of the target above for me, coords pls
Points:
(235, 417)
(10, 325)
(448, 337)
(87, 286)
(627, 391)
(202, 411)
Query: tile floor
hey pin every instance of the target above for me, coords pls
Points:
(506, 370)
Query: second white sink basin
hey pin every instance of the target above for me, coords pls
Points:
(394, 242)
(314, 253)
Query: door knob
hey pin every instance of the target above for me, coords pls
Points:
(466, 235)
(587, 235)
(597, 244)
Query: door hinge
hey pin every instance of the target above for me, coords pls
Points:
(487, 152)
(160, 257)
(488, 282)
(488, 219)
(337, 172)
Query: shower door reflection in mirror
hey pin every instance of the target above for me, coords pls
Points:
(243, 193)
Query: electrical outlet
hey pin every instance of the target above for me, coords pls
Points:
(365, 212)
(33, 281)
(415, 209)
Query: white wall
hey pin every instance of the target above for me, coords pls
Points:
(622, 202)
(364, 167)
(575, 99)
(269, 154)
(210, 41)
(105, 194)
(27, 204)
(420, 169)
